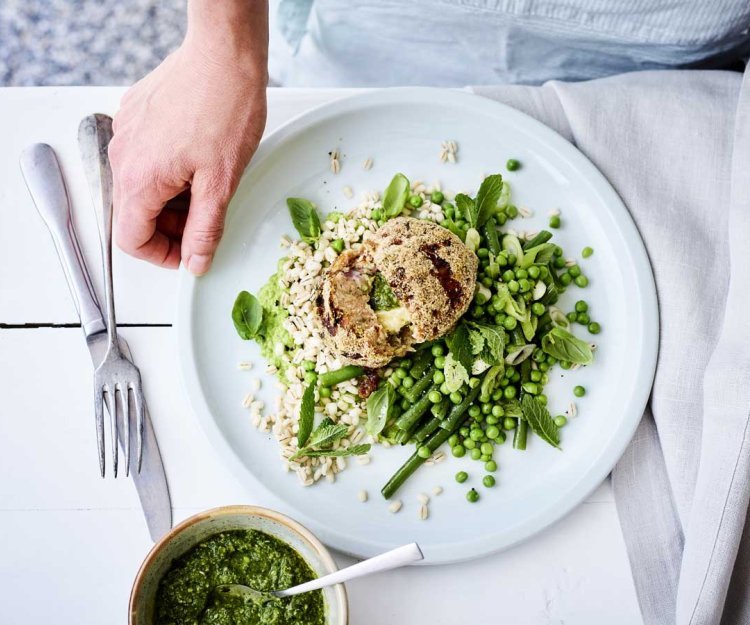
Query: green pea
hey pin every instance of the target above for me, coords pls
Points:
(338, 245)
(509, 423)
(508, 275)
(475, 454)
(581, 306)
(538, 309)
(472, 496)
(509, 392)
(512, 260)
(405, 404)
(543, 366)
(583, 318)
(424, 452)
(512, 164)
(534, 272)
(453, 440)
(594, 327)
(492, 432)
(446, 224)
(376, 214)
(497, 410)
(456, 397)
(470, 443)
(436, 197)
(571, 316)
(574, 271)
(311, 377)
(415, 201)
(587, 251)
(435, 397)
(438, 377)
(475, 411)
(559, 262)
(401, 373)
(439, 362)
(462, 476)
(582, 281)
(561, 421)
(490, 420)
(444, 389)
(554, 221)
(513, 286)
(579, 391)
(483, 252)
(516, 378)
(542, 399)
(458, 451)
(521, 273)
(437, 350)
(486, 408)
(488, 481)
(501, 218)
(464, 431)
(490, 465)
(512, 211)
(524, 285)
(510, 323)
(487, 448)
(325, 391)
(566, 279)
(564, 364)
(407, 382)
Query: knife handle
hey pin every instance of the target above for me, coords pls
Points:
(44, 179)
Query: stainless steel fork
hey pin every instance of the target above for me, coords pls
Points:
(116, 376)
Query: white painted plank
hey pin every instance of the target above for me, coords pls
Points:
(33, 288)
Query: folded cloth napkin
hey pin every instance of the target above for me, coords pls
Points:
(676, 147)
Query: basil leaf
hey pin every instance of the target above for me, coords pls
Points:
(380, 406)
(247, 315)
(487, 198)
(354, 450)
(460, 346)
(561, 344)
(327, 433)
(306, 415)
(540, 421)
(466, 208)
(456, 375)
(395, 196)
(305, 218)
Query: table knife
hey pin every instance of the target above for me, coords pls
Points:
(44, 179)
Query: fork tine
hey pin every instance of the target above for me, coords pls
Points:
(99, 412)
(112, 393)
(140, 403)
(125, 397)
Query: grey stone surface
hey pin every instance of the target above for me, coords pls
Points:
(86, 42)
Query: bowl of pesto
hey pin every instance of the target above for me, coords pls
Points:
(246, 545)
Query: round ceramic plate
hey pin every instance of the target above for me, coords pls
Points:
(401, 130)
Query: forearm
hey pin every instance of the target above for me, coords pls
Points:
(231, 31)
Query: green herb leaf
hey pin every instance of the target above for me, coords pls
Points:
(466, 208)
(247, 315)
(487, 198)
(456, 375)
(327, 433)
(305, 218)
(380, 406)
(354, 450)
(539, 255)
(540, 421)
(306, 415)
(476, 340)
(561, 344)
(512, 408)
(490, 378)
(460, 346)
(395, 196)
(493, 342)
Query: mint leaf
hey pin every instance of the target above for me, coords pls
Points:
(493, 342)
(460, 346)
(327, 433)
(561, 344)
(456, 375)
(306, 415)
(476, 340)
(380, 406)
(540, 421)
(354, 450)
(466, 208)
(247, 315)
(304, 218)
(395, 196)
(487, 198)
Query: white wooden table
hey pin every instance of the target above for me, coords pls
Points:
(70, 543)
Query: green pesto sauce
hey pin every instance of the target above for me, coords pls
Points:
(381, 295)
(274, 332)
(248, 557)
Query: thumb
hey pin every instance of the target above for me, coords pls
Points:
(205, 221)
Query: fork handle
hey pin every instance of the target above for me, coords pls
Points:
(44, 179)
(94, 135)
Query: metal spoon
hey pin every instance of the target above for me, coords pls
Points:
(384, 562)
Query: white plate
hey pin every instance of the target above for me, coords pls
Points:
(401, 129)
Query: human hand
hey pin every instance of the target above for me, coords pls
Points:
(182, 138)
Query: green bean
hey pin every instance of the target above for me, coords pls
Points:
(542, 237)
(489, 232)
(331, 378)
(427, 428)
(519, 437)
(420, 385)
(414, 462)
(422, 362)
(413, 414)
(456, 414)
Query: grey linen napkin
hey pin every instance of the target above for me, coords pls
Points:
(676, 147)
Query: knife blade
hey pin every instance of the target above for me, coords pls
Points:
(44, 179)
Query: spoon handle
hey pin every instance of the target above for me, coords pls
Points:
(384, 562)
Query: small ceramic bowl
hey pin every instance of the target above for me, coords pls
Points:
(190, 532)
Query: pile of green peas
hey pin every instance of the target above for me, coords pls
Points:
(580, 314)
